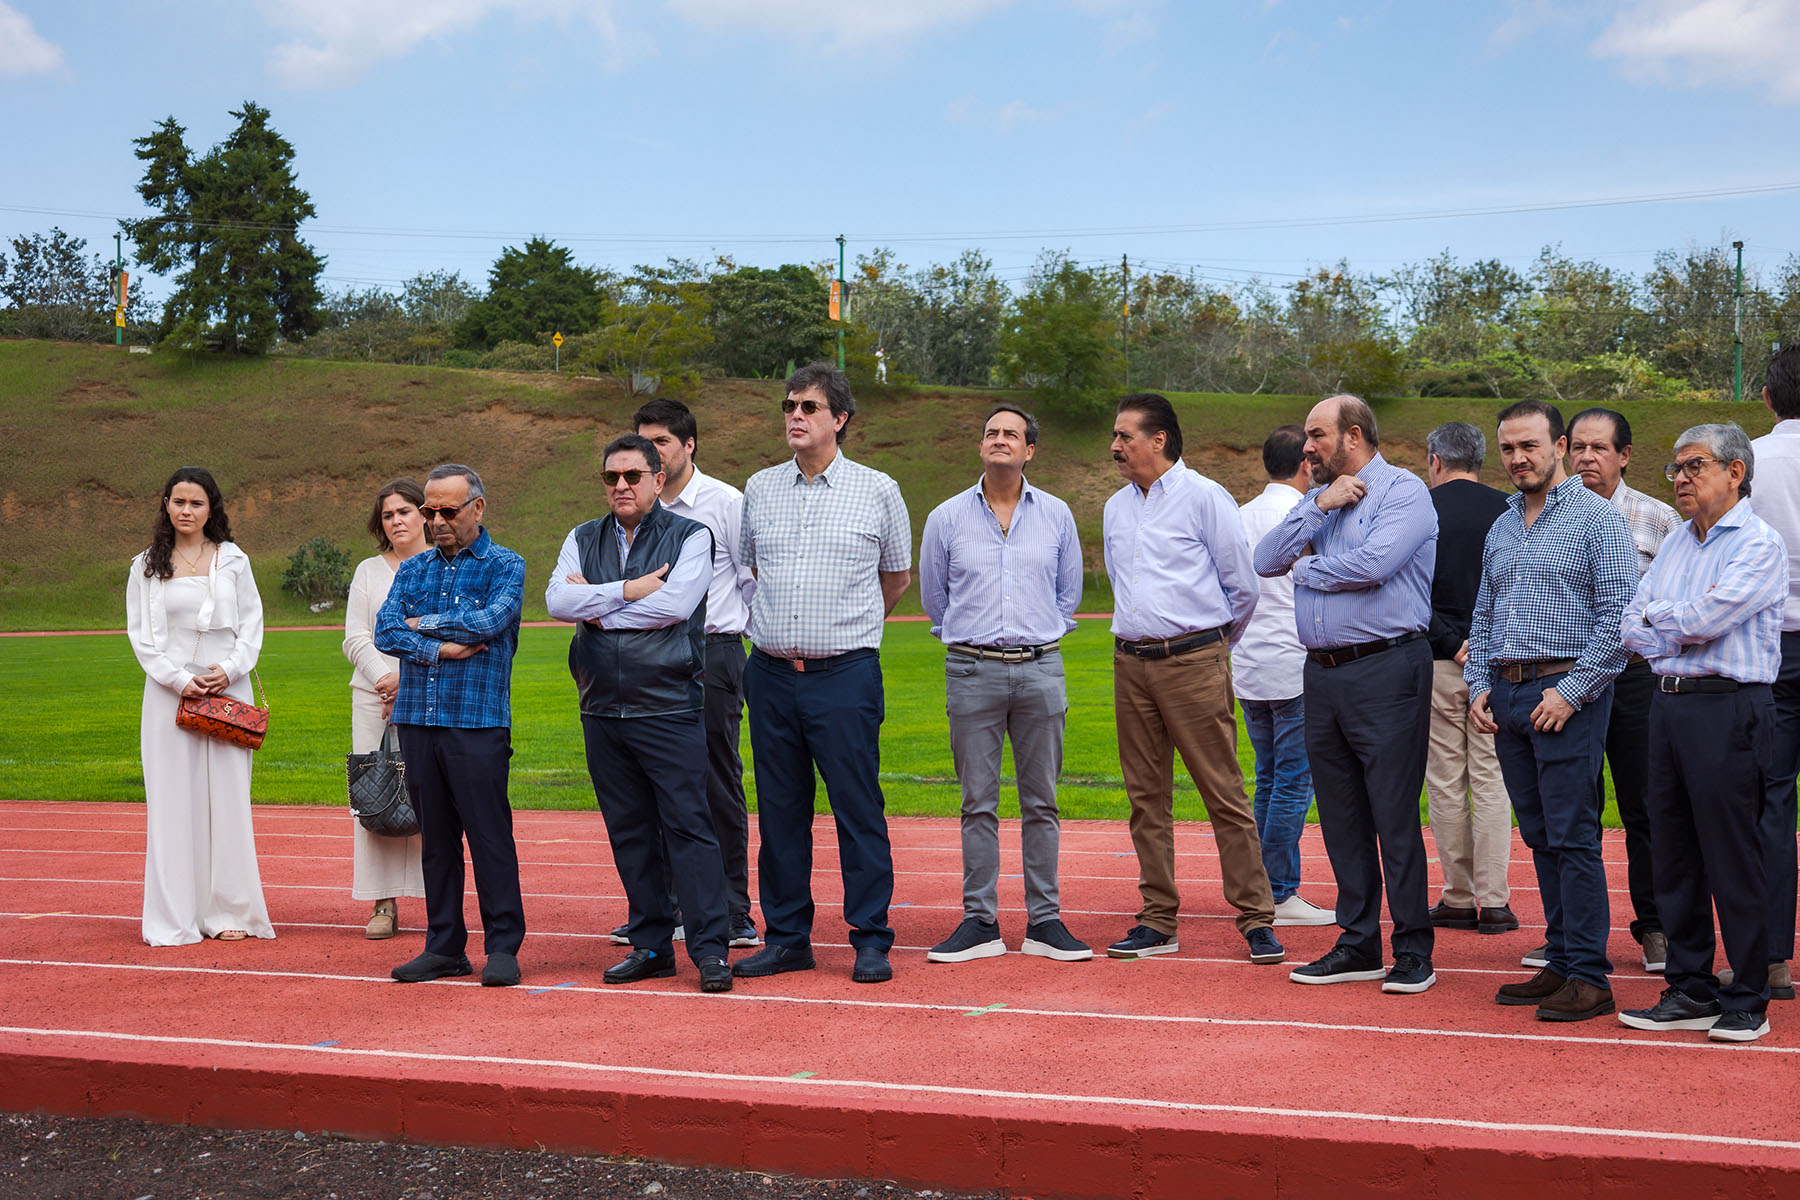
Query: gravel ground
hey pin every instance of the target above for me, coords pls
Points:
(77, 1158)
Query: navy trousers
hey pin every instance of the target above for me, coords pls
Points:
(1368, 723)
(649, 776)
(1779, 860)
(1628, 754)
(830, 719)
(457, 781)
(1552, 779)
(1710, 763)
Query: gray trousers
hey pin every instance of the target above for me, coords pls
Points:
(988, 701)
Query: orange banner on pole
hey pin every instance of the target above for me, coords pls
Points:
(835, 301)
(124, 278)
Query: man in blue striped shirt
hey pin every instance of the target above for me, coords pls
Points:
(452, 619)
(1708, 617)
(1557, 570)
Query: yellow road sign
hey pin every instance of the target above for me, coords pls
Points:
(556, 340)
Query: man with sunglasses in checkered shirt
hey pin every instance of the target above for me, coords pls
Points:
(831, 545)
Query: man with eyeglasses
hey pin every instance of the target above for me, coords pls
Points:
(1000, 578)
(1557, 570)
(452, 619)
(1707, 615)
(831, 545)
(635, 582)
(1778, 503)
(1600, 452)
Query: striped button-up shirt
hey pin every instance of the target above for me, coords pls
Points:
(1649, 519)
(472, 597)
(982, 587)
(1554, 590)
(1714, 607)
(1178, 559)
(1361, 572)
(817, 549)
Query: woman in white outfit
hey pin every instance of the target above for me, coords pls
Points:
(196, 624)
(384, 868)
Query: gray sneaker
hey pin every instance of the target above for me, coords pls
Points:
(1656, 952)
(1539, 958)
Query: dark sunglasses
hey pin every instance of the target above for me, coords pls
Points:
(630, 477)
(443, 512)
(809, 407)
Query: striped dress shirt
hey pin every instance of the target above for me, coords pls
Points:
(1714, 607)
(982, 587)
(1177, 557)
(1554, 591)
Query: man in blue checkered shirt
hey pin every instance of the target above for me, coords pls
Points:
(452, 619)
(1558, 569)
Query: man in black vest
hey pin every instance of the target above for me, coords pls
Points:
(635, 582)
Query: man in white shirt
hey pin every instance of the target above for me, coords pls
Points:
(1184, 589)
(691, 493)
(1266, 673)
(1778, 502)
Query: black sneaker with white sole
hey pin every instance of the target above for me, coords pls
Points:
(1340, 965)
(1263, 946)
(1410, 974)
(1536, 958)
(743, 933)
(1737, 1026)
(1141, 942)
(972, 939)
(621, 936)
(1052, 939)
(1675, 1010)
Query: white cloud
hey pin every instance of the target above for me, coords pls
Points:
(1004, 118)
(842, 24)
(1745, 43)
(23, 52)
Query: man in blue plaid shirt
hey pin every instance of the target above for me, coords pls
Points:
(1558, 569)
(452, 619)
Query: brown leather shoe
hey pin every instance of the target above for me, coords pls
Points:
(1539, 987)
(1577, 1000)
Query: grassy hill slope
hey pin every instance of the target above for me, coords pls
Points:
(88, 434)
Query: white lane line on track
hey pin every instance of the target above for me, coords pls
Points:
(960, 1008)
(921, 1089)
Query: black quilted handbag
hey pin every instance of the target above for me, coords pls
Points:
(378, 789)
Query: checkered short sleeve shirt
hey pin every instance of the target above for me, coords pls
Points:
(818, 549)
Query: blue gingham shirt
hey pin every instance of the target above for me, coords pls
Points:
(817, 549)
(1361, 572)
(984, 588)
(470, 598)
(1714, 607)
(1554, 591)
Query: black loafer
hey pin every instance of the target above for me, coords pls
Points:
(871, 966)
(774, 960)
(640, 965)
(430, 966)
(500, 970)
(715, 976)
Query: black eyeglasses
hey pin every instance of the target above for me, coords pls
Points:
(1687, 466)
(630, 477)
(809, 407)
(443, 512)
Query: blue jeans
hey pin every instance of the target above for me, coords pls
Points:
(1277, 730)
(1552, 779)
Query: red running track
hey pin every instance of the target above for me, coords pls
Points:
(1193, 1073)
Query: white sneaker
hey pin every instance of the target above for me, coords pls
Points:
(1297, 910)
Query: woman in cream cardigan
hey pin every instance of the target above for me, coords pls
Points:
(384, 868)
(196, 624)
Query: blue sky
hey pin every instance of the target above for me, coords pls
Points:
(431, 134)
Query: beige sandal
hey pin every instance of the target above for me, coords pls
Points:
(384, 922)
(230, 935)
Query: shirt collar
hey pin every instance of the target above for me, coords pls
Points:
(1787, 428)
(476, 549)
(1168, 481)
(825, 475)
(1025, 491)
(1554, 497)
(1275, 487)
(1734, 517)
(697, 482)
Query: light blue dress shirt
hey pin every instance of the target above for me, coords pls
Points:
(1713, 607)
(1178, 558)
(984, 588)
(1362, 572)
(604, 603)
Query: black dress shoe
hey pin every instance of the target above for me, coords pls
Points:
(433, 966)
(774, 960)
(1445, 917)
(1496, 920)
(500, 970)
(871, 966)
(640, 965)
(715, 976)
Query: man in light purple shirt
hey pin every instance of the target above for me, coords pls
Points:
(1000, 577)
(1183, 592)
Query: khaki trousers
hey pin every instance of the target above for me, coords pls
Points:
(1471, 816)
(1185, 703)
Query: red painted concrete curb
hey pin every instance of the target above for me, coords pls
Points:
(920, 1144)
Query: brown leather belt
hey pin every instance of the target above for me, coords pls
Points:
(1525, 672)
